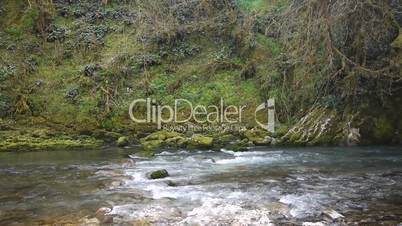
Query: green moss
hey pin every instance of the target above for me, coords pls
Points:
(200, 141)
(152, 145)
(257, 137)
(122, 141)
(270, 44)
(29, 143)
(281, 131)
(383, 130)
(177, 142)
(29, 20)
(261, 5)
(161, 136)
(159, 174)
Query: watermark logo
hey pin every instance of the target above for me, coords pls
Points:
(270, 106)
(184, 112)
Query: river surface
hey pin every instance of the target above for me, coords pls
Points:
(265, 186)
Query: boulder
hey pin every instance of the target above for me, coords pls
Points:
(178, 141)
(159, 174)
(257, 137)
(143, 154)
(226, 139)
(122, 141)
(201, 141)
(152, 145)
(238, 146)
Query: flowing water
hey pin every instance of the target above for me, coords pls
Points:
(278, 186)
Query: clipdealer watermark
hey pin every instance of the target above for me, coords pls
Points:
(184, 112)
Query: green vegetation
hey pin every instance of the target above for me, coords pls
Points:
(78, 66)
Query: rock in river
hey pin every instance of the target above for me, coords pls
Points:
(159, 174)
(103, 215)
(122, 141)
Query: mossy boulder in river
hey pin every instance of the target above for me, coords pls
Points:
(159, 174)
(225, 139)
(161, 139)
(122, 141)
(152, 145)
(176, 142)
(258, 137)
(200, 141)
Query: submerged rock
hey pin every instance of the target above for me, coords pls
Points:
(90, 222)
(314, 224)
(103, 215)
(332, 215)
(159, 174)
(129, 163)
(143, 154)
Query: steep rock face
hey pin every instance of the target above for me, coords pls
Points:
(322, 126)
(363, 30)
(325, 126)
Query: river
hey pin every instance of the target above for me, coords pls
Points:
(265, 186)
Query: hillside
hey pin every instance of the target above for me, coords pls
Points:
(70, 69)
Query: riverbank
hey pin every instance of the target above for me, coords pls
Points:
(46, 139)
(320, 127)
(69, 70)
